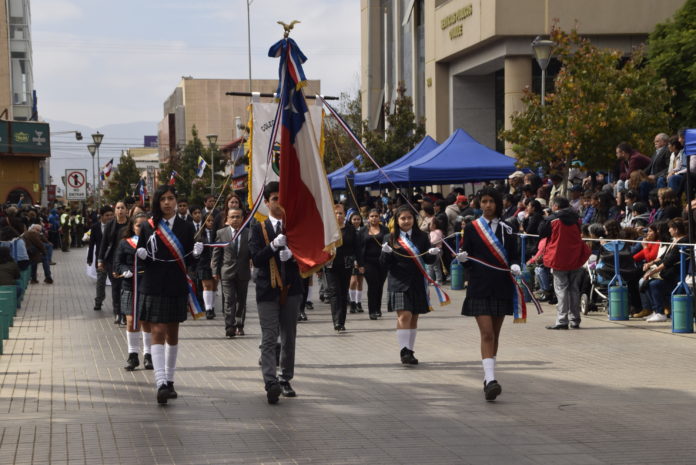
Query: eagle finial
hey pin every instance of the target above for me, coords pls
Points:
(288, 27)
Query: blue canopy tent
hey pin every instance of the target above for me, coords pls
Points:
(337, 179)
(374, 177)
(457, 160)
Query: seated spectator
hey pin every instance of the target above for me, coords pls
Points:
(669, 207)
(662, 274)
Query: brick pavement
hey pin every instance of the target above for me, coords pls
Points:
(620, 393)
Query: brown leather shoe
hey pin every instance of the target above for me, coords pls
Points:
(642, 314)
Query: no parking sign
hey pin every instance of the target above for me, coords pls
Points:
(76, 184)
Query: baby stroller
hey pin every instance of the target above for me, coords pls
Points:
(600, 271)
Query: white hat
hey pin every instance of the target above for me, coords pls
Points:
(516, 174)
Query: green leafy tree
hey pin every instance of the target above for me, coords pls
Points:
(188, 185)
(121, 179)
(672, 54)
(339, 149)
(403, 131)
(600, 99)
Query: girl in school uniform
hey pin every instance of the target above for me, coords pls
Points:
(203, 272)
(124, 267)
(165, 247)
(407, 287)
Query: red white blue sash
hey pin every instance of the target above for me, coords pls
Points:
(496, 248)
(414, 254)
(177, 250)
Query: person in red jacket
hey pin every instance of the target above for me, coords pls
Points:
(565, 254)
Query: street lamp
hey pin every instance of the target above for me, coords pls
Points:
(212, 140)
(97, 138)
(92, 150)
(542, 51)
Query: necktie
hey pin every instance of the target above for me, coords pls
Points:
(278, 228)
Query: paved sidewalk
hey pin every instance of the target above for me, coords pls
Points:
(609, 393)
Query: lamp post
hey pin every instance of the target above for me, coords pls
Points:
(212, 140)
(542, 51)
(97, 138)
(92, 150)
(249, 2)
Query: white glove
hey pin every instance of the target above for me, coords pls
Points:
(521, 216)
(462, 257)
(285, 255)
(197, 249)
(515, 270)
(279, 241)
(141, 253)
(386, 248)
(433, 251)
(127, 274)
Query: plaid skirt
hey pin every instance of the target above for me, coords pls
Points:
(126, 301)
(162, 308)
(203, 273)
(487, 306)
(414, 300)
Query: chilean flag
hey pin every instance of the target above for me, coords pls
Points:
(172, 178)
(310, 222)
(108, 167)
(142, 192)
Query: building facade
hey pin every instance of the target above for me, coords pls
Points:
(202, 103)
(24, 147)
(466, 63)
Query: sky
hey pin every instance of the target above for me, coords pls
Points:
(104, 64)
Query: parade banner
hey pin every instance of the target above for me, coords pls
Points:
(260, 173)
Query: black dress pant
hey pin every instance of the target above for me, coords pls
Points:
(338, 280)
(234, 292)
(116, 284)
(374, 276)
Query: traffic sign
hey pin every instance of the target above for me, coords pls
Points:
(76, 184)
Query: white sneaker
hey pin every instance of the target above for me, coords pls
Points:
(646, 318)
(656, 318)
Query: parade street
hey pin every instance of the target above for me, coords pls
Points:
(611, 392)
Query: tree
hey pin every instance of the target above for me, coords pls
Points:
(123, 176)
(672, 53)
(600, 99)
(339, 149)
(402, 133)
(187, 184)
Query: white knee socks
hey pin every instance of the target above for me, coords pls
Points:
(358, 296)
(411, 338)
(133, 339)
(351, 295)
(170, 361)
(488, 369)
(209, 299)
(147, 342)
(402, 336)
(158, 364)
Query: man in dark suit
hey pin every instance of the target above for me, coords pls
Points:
(660, 160)
(278, 297)
(231, 267)
(182, 210)
(106, 214)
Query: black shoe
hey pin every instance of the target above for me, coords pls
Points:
(407, 357)
(48, 280)
(337, 328)
(210, 314)
(97, 308)
(132, 362)
(553, 300)
(273, 391)
(373, 316)
(239, 332)
(342, 328)
(34, 281)
(359, 307)
(379, 314)
(322, 298)
(162, 394)
(147, 362)
(353, 308)
(122, 319)
(287, 390)
(574, 325)
(556, 327)
(302, 316)
(492, 390)
(229, 334)
(309, 305)
(172, 393)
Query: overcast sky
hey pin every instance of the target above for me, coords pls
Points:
(100, 62)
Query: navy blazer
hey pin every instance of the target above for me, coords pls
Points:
(403, 272)
(95, 238)
(483, 281)
(166, 278)
(261, 255)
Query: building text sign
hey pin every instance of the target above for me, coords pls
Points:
(452, 21)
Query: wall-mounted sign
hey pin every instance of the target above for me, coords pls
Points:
(452, 21)
(25, 138)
